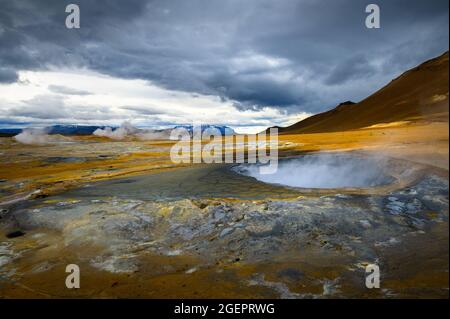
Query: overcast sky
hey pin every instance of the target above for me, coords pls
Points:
(248, 64)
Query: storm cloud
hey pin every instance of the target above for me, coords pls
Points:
(8, 75)
(296, 56)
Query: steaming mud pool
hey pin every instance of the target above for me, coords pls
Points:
(225, 231)
(324, 171)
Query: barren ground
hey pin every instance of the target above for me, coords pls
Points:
(272, 242)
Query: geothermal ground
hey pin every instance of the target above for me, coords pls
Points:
(140, 226)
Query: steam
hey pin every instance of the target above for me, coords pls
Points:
(324, 171)
(38, 136)
(127, 130)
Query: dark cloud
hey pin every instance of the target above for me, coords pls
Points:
(8, 75)
(8, 123)
(351, 69)
(54, 107)
(41, 107)
(297, 55)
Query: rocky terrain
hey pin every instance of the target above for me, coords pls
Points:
(299, 245)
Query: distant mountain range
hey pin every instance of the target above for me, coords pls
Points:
(57, 129)
(224, 130)
(68, 130)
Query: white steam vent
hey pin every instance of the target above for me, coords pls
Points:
(324, 171)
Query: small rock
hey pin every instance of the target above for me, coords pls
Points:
(15, 234)
(175, 252)
(365, 223)
(190, 271)
(226, 231)
(3, 212)
(218, 215)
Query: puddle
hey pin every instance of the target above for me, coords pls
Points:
(203, 181)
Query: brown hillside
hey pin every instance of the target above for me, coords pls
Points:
(420, 94)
